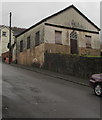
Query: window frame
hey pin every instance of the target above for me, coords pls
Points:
(88, 43)
(56, 40)
(4, 35)
(28, 42)
(37, 38)
(21, 46)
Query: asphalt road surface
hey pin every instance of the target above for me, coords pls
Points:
(28, 94)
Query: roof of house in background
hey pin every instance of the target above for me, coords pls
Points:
(15, 30)
(1, 26)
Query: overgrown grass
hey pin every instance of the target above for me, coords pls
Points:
(89, 56)
(86, 56)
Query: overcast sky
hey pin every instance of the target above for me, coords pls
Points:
(26, 14)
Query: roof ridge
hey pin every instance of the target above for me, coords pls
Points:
(71, 6)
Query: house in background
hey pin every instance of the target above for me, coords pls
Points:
(4, 39)
(67, 32)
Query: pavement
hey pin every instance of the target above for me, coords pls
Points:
(73, 79)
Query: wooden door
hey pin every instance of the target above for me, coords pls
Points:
(73, 43)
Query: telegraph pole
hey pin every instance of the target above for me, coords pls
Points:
(10, 40)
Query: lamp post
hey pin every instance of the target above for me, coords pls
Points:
(10, 40)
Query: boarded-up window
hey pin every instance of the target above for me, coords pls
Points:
(58, 37)
(88, 41)
(21, 45)
(37, 38)
(28, 42)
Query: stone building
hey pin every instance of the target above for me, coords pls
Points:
(66, 32)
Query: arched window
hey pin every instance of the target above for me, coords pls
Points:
(73, 35)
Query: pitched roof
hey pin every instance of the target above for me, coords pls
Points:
(2, 26)
(15, 30)
(71, 6)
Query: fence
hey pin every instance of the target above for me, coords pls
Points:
(73, 65)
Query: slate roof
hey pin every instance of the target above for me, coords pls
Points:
(15, 30)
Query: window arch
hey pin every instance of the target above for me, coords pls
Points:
(73, 35)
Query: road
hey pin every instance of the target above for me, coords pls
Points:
(28, 94)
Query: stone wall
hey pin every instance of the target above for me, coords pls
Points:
(36, 54)
(31, 56)
(56, 48)
(73, 65)
(88, 51)
(65, 49)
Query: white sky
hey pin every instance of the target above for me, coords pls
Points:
(26, 14)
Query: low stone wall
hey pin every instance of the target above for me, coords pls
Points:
(73, 65)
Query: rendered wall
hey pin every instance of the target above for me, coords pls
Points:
(30, 33)
(81, 41)
(71, 18)
(5, 40)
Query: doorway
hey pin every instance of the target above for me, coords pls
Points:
(73, 43)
